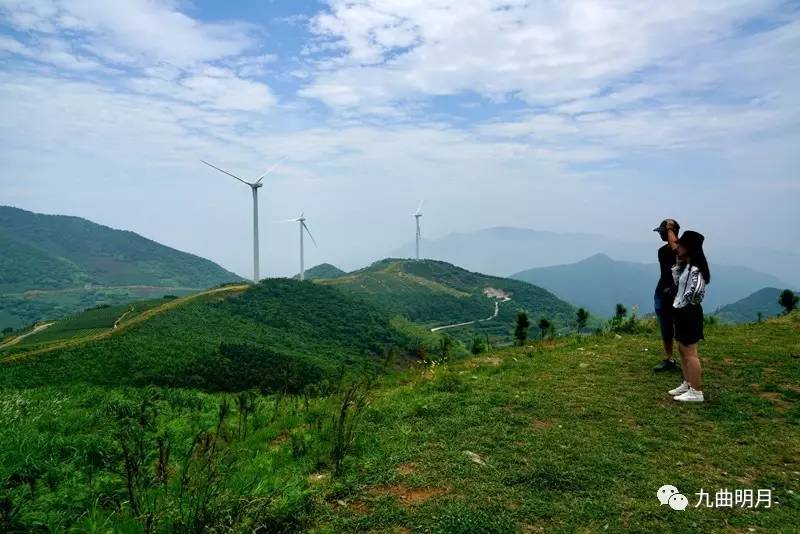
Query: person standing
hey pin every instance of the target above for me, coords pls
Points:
(690, 274)
(665, 293)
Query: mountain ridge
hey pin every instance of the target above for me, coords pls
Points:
(600, 282)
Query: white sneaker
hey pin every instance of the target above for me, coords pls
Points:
(680, 390)
(692, 395)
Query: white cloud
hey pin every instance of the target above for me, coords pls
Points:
(543, 52)
(148, 30)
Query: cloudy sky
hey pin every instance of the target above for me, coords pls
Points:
(589, 116)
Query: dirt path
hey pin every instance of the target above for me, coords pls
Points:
(36, 330)
(493, 316)
(145, 315)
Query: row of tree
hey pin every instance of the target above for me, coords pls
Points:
(788, 300)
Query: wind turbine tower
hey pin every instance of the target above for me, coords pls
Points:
(254, 186)
(303, 229)
(417, 216)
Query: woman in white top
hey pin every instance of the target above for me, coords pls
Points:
(690, 274)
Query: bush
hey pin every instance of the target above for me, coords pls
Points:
(239, 367)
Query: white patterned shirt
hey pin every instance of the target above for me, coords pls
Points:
(691, 285)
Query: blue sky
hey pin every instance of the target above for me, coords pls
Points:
(599, 117)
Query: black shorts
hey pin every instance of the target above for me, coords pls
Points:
(689, 324)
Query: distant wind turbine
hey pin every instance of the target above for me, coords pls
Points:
(303, 227)
(254, 186)
(417, 216)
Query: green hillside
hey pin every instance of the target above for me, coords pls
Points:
(436, 293)
(53, 265)
(764, 301)
(323, 270)
(574, 434)
(219, 341)
(598, 283)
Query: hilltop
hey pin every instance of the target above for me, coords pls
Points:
(436, 293)
(323, 271)
(230, 338)
(53, 265)
(599, 282)
(746, 310)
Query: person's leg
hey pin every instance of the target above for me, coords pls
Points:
(692, 371)
(669, 350)
(667, 328)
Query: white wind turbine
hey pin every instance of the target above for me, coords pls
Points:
(417, 216)
(303, 227)
(254, 186)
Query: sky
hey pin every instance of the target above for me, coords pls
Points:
(580, 116)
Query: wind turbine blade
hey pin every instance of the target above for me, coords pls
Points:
(309, 234)
(271, 169)
(226, 172)
(419, 209)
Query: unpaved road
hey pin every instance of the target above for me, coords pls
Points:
(493, 316)
(36, 329)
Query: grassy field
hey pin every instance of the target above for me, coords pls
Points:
(571, 435)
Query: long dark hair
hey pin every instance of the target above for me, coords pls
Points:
(698, 259)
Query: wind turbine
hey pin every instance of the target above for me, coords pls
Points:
(303, 226)
(417, 216)
(254, 186)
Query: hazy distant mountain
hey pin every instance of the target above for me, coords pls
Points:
(62, 264)
(323, 270)
(599, 283)
(746, 310)
(501, 251)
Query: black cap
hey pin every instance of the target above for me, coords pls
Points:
(663, 226)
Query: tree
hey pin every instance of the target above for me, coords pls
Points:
(545, 327)
(788, 300)
(581, 318)
(478, 345)
(521, 329)
(7, 330)
(621, 311)
(445, 346)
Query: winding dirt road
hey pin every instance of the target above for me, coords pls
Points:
(493, 316)
(36, 330)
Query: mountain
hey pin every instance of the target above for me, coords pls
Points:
(747, 309)
(56, 264)
(598, 283)
(323, 270)
(279, 334)
(503, 250)
(435, 293)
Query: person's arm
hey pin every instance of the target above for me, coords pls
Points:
(696, 288)
(672, 238)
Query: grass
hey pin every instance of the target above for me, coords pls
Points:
(435, 293)
(575, 434)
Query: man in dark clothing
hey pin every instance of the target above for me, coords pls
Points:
(665, 293)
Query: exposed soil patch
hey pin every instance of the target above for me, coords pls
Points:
(492, 360)
(406, 469)
(540, 424)
(405, 495)
(280, 439)
(777, 399)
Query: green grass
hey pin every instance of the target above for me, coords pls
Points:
(285, 319)
(572, 435)
(435, 293)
